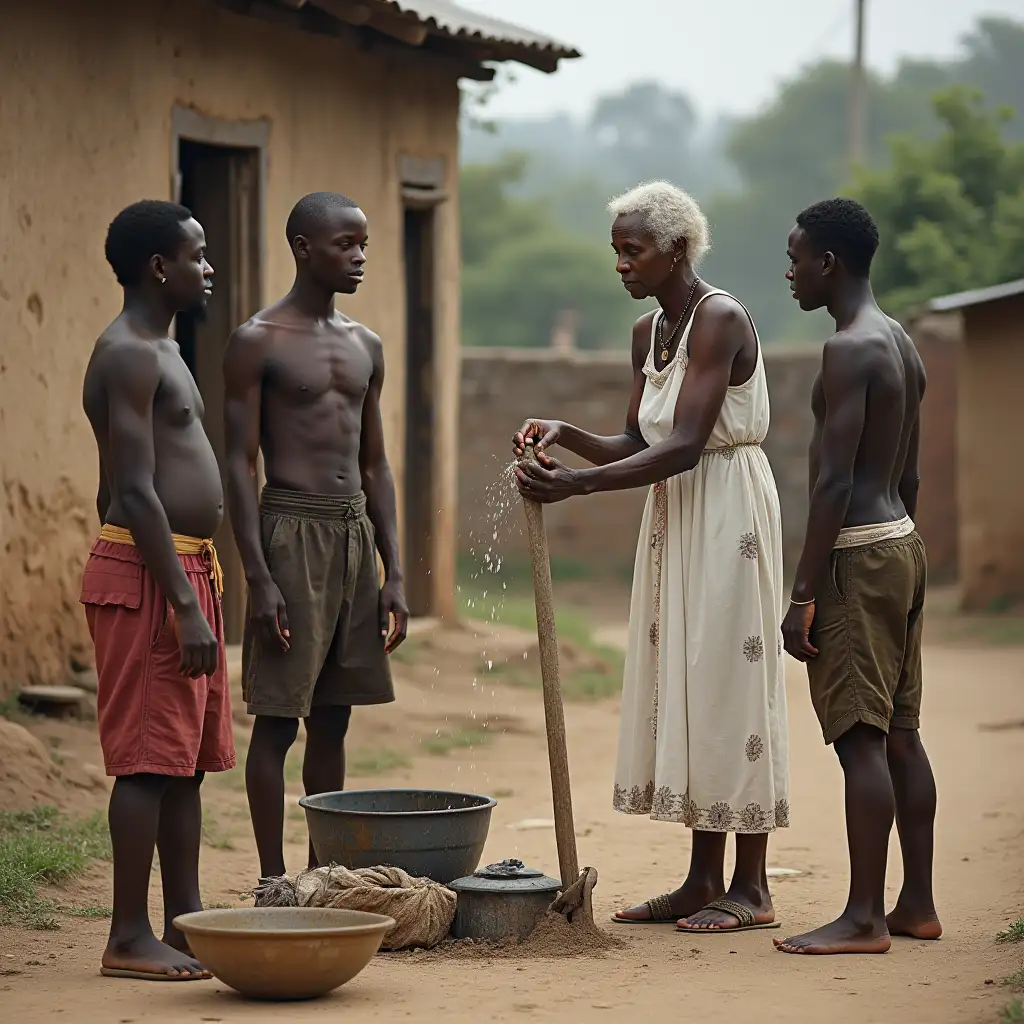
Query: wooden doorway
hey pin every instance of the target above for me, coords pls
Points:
(422, 193)
(420, 447)
(218, 175)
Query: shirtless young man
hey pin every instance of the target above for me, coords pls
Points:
(856, 611)
(151, 587)
(303, 384)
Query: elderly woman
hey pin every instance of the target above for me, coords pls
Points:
(703, 733)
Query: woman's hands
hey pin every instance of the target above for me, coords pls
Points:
(543, 433)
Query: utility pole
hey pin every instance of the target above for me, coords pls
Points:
(858, 92)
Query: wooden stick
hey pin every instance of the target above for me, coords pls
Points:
(554, 713)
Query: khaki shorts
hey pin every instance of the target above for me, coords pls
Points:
(867, 625)
(321, 553)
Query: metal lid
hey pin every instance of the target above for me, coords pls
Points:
(510, 868)
(509, 877)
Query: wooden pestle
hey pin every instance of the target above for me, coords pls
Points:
(554, 713)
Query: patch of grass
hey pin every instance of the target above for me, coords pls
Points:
(474, 575)
(503, 794)
(87, 911)
(1012, 1013)
(215, 837)
(576, 686)
(594, 685)
(293, 763)
(379, 761)
(219, 906)
(447, 740)
(1015, 981)
(601, 679)
(1013, 933)
(41, 846)
(409, 652)
(11, 708)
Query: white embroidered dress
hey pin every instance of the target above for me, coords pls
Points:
(703, 737)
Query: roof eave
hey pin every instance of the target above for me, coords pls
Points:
(394, 19)
(976, 297)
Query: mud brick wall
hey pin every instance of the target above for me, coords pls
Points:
(597, 534)
(939, 340)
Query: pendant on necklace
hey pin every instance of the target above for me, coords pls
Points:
(664, 355)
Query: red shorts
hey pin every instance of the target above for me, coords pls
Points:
(152, 719)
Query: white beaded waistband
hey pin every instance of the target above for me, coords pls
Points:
(861, 536)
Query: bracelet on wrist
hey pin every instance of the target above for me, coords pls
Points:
(801, 604)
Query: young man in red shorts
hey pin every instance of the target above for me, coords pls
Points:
(151, 587)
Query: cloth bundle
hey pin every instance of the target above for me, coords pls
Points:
(422, 910)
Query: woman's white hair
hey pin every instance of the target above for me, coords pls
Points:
(669, 214)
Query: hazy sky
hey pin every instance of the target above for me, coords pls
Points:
(727, 55)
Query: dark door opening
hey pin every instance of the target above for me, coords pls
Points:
(219, 184)
(420, 449)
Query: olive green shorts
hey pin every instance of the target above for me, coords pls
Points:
(868, 617)
(321, 553)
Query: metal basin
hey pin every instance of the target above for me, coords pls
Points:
(284, 952)
(427, 832)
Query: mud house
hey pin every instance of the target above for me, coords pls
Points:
(236, 108)
(990, 488)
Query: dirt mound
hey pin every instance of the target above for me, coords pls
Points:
(553, 938)
(28, 775)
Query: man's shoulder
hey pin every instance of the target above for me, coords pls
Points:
(360, 330)
(120, 353)
(255, 331)
(367, 337)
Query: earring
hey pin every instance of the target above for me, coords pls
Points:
(163, 280)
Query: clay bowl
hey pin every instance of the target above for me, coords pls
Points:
(284, 952)
(429, 833)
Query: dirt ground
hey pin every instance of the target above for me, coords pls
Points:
(447, 700)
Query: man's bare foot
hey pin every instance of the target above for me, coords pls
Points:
(147, 956)
(175, 938)
(914, 924)
(687, 899)
(714, 919)
(841, 936)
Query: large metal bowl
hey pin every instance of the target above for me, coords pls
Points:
(284, 952)
(427, 832)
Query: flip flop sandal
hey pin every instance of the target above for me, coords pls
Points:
(118, 972)
(660, 909)
(745, 916)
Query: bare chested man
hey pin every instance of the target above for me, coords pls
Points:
(151, 587)
(857, 603)
(304, 384)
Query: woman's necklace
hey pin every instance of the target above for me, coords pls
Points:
(667, 345)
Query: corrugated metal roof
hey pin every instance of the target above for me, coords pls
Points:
(977, 296)
(455, 20)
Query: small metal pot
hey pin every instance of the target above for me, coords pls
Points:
(501, 901)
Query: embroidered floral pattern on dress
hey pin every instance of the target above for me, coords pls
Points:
(782, 814)
(753, 649)
(664, 805)
(720, 816)
(748, 546)
(635, 800)
(754, 818)
(754, 748)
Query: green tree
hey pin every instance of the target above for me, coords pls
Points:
(521, 269)
(791, 155)
(950, 211)
(994, 63)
